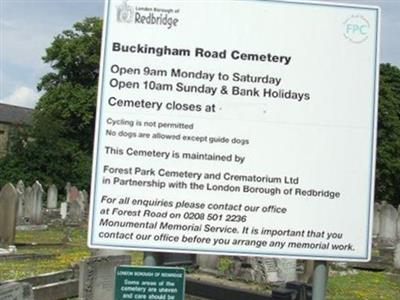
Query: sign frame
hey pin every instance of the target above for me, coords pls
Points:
(369, 213)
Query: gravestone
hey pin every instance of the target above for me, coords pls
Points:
(64, 210)
(270, 269)
(85, 200)
(108, 252)
(85, 197)
(377, 220)
(286, 269)
(207, 263)
(16, 291)
(256, 269)
(20, 188)
(4, 251)
(38, 192)
(75, 213)
(52, 196)
(73, 194)
(28, 208)
(8, 214)
(398, 223)
(388, 224)
(67, 188)
(97, 275)
(81, 201)
(305, 269)
(397, 256)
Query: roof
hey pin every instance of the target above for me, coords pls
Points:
(15, 114)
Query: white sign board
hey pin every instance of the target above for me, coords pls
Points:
(236, 127)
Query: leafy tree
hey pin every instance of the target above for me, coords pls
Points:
(388, 151)
(68, 106)
(61, 137)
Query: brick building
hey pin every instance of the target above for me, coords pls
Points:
(10, 118)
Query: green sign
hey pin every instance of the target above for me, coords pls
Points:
(149, 283)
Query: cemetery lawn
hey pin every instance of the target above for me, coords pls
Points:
(65, 255)
(364, 285)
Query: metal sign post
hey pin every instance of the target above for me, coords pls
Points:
(320, 280)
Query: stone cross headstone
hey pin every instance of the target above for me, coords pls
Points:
(64, 210)
(397, 256)
(38, 192)
(96, 276)
(377, 220)
(8, 214)
(52, 196)
(388, 224)
(286, 269)
(20, 188)
(16, 291)
(28, 209)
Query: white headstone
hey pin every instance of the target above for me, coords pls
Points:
(377, 219)
(8, 214)
(38, 192)
(397, 256)
(286, 269)
(398, 224)
(28, 209)
(52, 196)
(81, 201)
(207, 262)
(64, 210)
(85, 200)
(388, 224)
(67, 190)
(271, 269)
(4, 252)
(85, 195)
(20, 188)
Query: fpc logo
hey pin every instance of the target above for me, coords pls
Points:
(356, 29)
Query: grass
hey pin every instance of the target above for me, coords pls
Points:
(362, 285)
(224, 264)
(65, 255)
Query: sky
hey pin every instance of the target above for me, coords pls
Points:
(27, 28)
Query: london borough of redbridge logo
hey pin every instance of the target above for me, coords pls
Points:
(125, 12)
